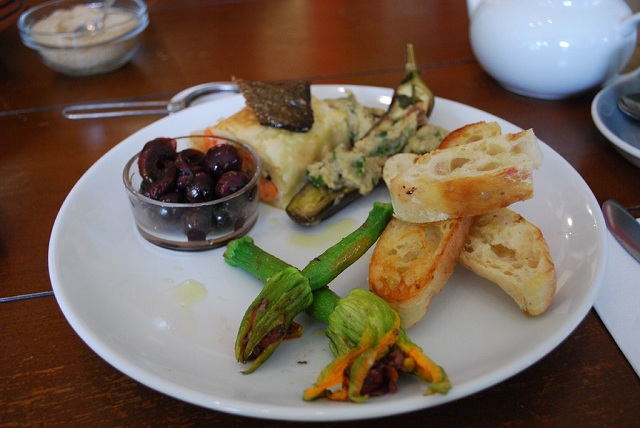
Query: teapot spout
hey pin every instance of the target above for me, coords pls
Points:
(472, 5)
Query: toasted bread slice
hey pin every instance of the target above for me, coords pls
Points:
(468, 179)
(506, 249)
(467, 134)
(412, 262)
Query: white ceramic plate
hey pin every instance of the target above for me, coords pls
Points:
(622, 131)
(169, 319)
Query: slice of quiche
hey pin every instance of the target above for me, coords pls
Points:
(286, 154)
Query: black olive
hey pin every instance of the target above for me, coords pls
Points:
(191, 157)
(230, 182)
(164, 184)
(220, 159)
(221, 218)
(195, 225)
(155, 156)
(201, 188)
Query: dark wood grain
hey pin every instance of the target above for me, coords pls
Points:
(49, 377)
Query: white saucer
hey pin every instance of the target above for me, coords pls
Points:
(621, 130)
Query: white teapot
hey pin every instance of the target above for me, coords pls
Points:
(552, 49)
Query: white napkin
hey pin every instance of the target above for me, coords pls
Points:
(618, 303)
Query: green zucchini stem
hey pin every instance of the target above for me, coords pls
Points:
(269, 317)
(327, 266)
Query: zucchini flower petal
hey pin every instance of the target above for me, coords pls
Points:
(269, 319)
(371, 350)
(422, 366)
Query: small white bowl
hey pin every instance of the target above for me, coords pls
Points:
(50, 29)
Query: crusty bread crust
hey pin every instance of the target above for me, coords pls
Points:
(468, 179)
(506, 249)
(412, 262)
(470, 133)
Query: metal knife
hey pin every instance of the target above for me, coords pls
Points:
(624, 227)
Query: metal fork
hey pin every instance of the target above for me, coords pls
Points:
(138, 108)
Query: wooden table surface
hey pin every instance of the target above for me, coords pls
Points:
(49, 376)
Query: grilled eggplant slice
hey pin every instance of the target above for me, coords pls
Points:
(313, 204)
(331, 188)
